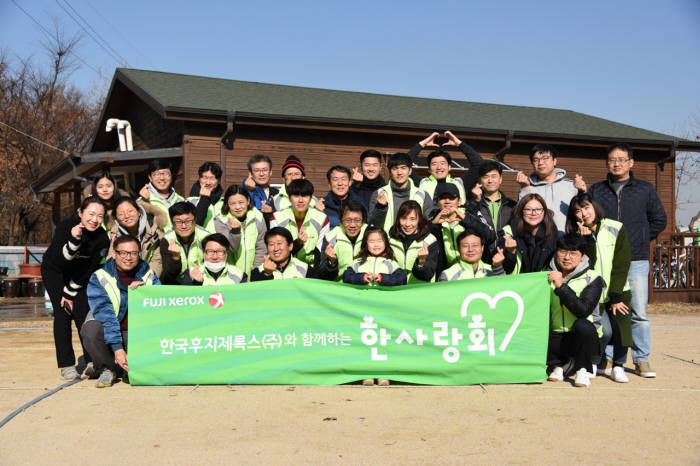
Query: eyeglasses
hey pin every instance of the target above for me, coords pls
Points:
(126, 254)
(533, 211)
(127, 214)
(218, 253)
(617, 161)
(543, 158)
(261, 170)
(161, 174)
(572, 254)
(350, 221)
(183, 223)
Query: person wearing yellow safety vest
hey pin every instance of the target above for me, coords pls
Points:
(341, 245)
(292, 169)
(205, 195)
(414, 248)
(385, 201)
(375, 264)
(469, 264)
(244, 227)
(280, 264)
(448, 220)
(574, 312)
(307, 225)
(181, 247)
(159, 191)
(216, 270)
(495, 207)
(609, 251)
(105, 332)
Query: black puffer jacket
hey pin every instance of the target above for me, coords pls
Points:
(638, 208)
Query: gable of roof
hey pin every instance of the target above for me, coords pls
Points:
(171, 94)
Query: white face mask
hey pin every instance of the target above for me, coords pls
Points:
(215, 266)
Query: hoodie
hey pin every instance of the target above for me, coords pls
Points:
(556, 194)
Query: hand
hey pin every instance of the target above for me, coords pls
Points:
(619, 307)
(250, 182)
(204, 190)
(264, 207)
(583, 229)
(145, 193)
(423, 254)
(67, 303)
(120, 358)
(498, 258)
(459, 214)
(302, 236)
(510, 244)
(381, 199)
(233, 222)
(136, 284)
(321, 204)
(269, 266)
(430, 140)
(174, 249)
(357, 175)
(77, 231)
(579, 183)
(367, 278)
(452, 140)
(522, 180)
(556, 278)
(477, 191)
(330, 252)
(196, 274)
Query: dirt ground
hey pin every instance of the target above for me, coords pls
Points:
(647, 421)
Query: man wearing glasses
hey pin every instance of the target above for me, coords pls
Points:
(159, 192)
(181, 248)
(105, 331)
(215, 270)
(636, 204)
(341, 245)
(548, 181)
(258, 182)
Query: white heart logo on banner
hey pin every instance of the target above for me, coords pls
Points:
(492, 301)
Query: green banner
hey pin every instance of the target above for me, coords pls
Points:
(313, 332)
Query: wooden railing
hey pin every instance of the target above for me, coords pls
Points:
(675, 269)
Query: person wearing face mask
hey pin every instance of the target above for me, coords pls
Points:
(339, 182)
(205, 195)
(106, 328)
(78, 246)
(341, 245)
(159, 192)
(216, 269)
(414, 248)
(181, 247)
(279, 263)
(148, 229)
(244, 227)
(104, 186)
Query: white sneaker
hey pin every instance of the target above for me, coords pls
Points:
(618, 375)
(591, 375)
(582, 379)
(557, 374)
(69, 373)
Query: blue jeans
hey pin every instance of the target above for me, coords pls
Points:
(610, 341)
(638, 277)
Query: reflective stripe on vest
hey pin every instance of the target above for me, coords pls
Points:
(313, 222)
(605, 242)
(562, 320)
(406, 259)
(518, 258)
(375, 265)
(213, 211)
(295, 269)
(229, 276)
(463, 270)
(195, 255)
(345, 251)
(109, 283)
(450, 232)
(429, 185)
(157, 200)
(244, 256)
(414, 194)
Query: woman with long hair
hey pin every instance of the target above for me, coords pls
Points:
(414, 248)
(531, 237)
(78, 246)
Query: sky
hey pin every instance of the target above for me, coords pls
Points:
(634, 62)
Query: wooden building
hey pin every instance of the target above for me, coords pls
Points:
(193, 119)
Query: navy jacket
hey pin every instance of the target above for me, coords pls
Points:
(333, 207)
(638, 208)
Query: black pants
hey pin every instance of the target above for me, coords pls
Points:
(580, 344)
(62, 337)
(93, 334)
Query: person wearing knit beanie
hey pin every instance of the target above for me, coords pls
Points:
(297, 167)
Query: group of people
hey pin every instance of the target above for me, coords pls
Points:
(594, 241)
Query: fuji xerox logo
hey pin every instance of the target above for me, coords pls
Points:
(216, 300)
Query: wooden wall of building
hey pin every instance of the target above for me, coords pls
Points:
(320, 149)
